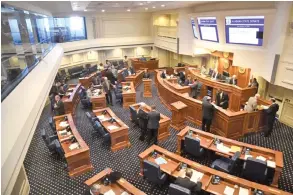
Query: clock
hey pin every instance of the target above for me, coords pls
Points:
(226, 64)
(226, 54)
(241, 70)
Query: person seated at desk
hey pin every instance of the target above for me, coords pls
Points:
(164, 74)
(58, 106)
(233, 81)
(254, 83)
(61, 90)
(153, 124)
(216, 75)
(182, 77)
(146, 75)
(252, 103)
(187, 81)
(222, 99)
(100, 67)
(94, 190)
(187, 183)
(143, 59)
(176, 74)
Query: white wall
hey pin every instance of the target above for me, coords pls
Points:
(21, 111)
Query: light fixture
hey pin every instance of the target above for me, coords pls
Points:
(162, 5)
(141, 4)
(146, 8)
(154, 7)
(103, 10)
(85, 10)
(128, 10)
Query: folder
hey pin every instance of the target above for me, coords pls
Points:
(235, 149)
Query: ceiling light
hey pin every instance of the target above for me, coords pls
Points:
(128, 10)
(141, 4)
(154, 7)
(162, 5)
(146, 8)
(85, 10)
(103, 10)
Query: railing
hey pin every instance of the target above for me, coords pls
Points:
(16, 66)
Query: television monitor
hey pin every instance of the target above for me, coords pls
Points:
(195, 34)
(245, 30)
(208, 30)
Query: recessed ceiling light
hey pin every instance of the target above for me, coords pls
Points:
(103, 10)
(128, 10)
(162, 5)
(154, 7)
(141, 4)
(85, 10)
(146, 8)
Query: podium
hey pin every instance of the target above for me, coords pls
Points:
(178, 115)
(147, 88)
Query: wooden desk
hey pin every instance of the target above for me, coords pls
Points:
(225, 123)
(173, 160)
(78, 160)
(71, 98)
(119, 135)
(151, 65)
(118, 187)
(237, 95)
(178, 115)
(206, 141)
(129, 95)
(136, 79)
(147, 88)
(98, 101)
(87, 81)
(163, 131)
(173, 84)
(120, 76)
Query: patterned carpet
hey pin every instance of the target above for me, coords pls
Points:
(47, 176)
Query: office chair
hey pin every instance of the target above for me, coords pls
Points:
(101, 131)
(255, 170)
(192, 146)
(92, 117)
(152, 173)
(226, 164)
(118, 95)
(49, 140)
(178, 190)
(52, 124)
(86, 103)
(133, 115)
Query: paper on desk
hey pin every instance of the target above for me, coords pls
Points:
(110, 192)
(229, 191)
(196, 176)
(112, 127)
(265, 107)
(63, 132)
(243, 191)
(63, 124)
(160, 161)
(73, 146)
(223, 148)
(261, 158)
(271, 164)
(235, 149)
(247, 156)
(101, 117)
(125, 87)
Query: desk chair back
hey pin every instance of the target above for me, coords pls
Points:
(153, 172)
(178, 190)
(255, 170)
(192, 146)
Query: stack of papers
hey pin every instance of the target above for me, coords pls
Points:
(110, 192)
(63, 124)
(229, 191)
(223, 148)
(112, 127)
(247, 156)
(261, 158)
(160, 161)
(271, 164)
(235, 149)
(243, 191)
(74, 146)
(196, 176)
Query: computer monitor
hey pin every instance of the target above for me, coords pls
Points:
(226, 74)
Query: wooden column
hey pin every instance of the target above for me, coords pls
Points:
(147, 88)
(178, 115)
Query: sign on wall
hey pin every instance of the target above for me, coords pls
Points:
(208, 29)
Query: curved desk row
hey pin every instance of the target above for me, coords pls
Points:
(71, 98)
(225, 123)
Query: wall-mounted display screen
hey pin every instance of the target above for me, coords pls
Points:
(195, 34)
(208, 28)
(246, 30)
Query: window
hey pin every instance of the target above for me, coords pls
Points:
(15, 33)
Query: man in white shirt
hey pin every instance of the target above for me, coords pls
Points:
(252, 103)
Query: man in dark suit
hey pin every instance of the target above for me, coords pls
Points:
(142, 121)
(107, 86)
(233, 81)
(207, 114)
(153, 124)
(271, 116)
(110, 76)
(94, 190)
(186, 183)
(163, 74)
(182, 77)
(58, 106)
(222, 99)
(194, 89)
(146, 75)
(188, 81)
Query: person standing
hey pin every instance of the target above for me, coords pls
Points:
(271, 117)
(222, 99)
(208, 110)
(59, 106)
(142, 121)
(107, 86)
(194, 89)
(153, 124)
(110, 76)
